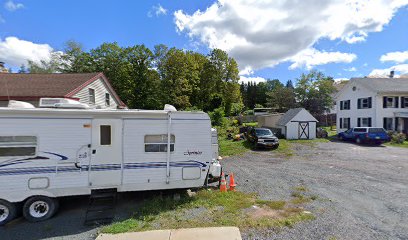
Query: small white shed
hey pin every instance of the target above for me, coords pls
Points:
(298, 123)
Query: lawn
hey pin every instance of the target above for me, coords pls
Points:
(210, 208)
(403, 145)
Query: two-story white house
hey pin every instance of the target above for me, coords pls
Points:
(373, 102)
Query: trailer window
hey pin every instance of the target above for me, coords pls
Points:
(158, 143)
(13, 146)
(106, 134)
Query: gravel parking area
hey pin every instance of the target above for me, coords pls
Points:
(362, 191)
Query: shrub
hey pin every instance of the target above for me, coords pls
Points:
(398, 138)
(236, 109)
(217, 117)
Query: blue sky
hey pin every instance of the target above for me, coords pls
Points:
(341, 38)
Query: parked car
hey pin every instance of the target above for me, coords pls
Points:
(262, 137)
(365, 135)
(321, 133)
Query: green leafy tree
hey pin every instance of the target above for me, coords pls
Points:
(314, 92)
(281, 99)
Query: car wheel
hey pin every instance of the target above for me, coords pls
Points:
(8, 211)
(40, 208)
(341, 138)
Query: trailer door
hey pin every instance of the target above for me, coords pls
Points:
(105, 169)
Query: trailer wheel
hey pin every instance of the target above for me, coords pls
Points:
(8, 211)
(40, 208)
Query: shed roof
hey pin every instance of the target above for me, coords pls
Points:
(290, 114)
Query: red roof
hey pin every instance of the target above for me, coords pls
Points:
(26, 86)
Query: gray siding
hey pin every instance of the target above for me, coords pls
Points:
(100, 91)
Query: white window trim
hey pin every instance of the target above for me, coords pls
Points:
(89, 96)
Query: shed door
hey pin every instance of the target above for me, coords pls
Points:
(105, 169)
(303, 130)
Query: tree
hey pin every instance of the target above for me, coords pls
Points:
(53, 65)
(289, 84)
(281, 99)
(22, 69)
(314, 92)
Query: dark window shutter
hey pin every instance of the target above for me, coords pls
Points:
(358, 122)
(396, 124)
(349, 104)
(369, 102)
(369, 122)
(348, 122)
(359, 103)
(402, 102)
(385, 123)
(396, 102)
(341, 105)
(384, 102)
(341, 122)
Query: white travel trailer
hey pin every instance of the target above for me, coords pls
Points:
(46, 153)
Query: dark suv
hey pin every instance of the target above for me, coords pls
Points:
(262, 137)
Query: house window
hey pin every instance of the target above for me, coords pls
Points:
(107, 99)
(345, 123)
(106, 135)
(390, 102)
(388, 123)
(404, 102)
(158, 143)
(363, 122)
(364, 103)
(13, 146)
(91, 95)
(345, 105)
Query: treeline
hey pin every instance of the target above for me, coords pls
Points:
(313, 91)
(149, 78)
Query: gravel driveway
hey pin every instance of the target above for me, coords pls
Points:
(362, 191)
(362, 194)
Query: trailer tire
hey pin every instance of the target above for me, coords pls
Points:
(8, 211)
(40, 208)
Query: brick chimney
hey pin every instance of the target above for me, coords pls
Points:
(2, 68)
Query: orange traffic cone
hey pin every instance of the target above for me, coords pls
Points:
(223, 185)
(232, 183)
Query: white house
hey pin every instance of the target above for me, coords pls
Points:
(373, 102)
(298, 123)
(93, 89)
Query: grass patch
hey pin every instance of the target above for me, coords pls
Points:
(250, 124)
(301, 188)
(230, 148)
(285, 148)
(299, 198)
(276, 205)
(403, 145)
(209, 209)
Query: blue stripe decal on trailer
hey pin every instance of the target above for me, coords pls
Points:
(100, 167)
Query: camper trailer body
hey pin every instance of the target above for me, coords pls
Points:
(67, 152)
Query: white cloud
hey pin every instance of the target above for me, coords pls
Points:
(12, 6)
(256, 80)
(15, 52)
(261, 34)
(350, 69)
(311, 57)
(157, 10)
(398, 57)
(401, 69)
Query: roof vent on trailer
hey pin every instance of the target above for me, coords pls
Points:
(19, 104)
(169, 108)
(61, 103)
